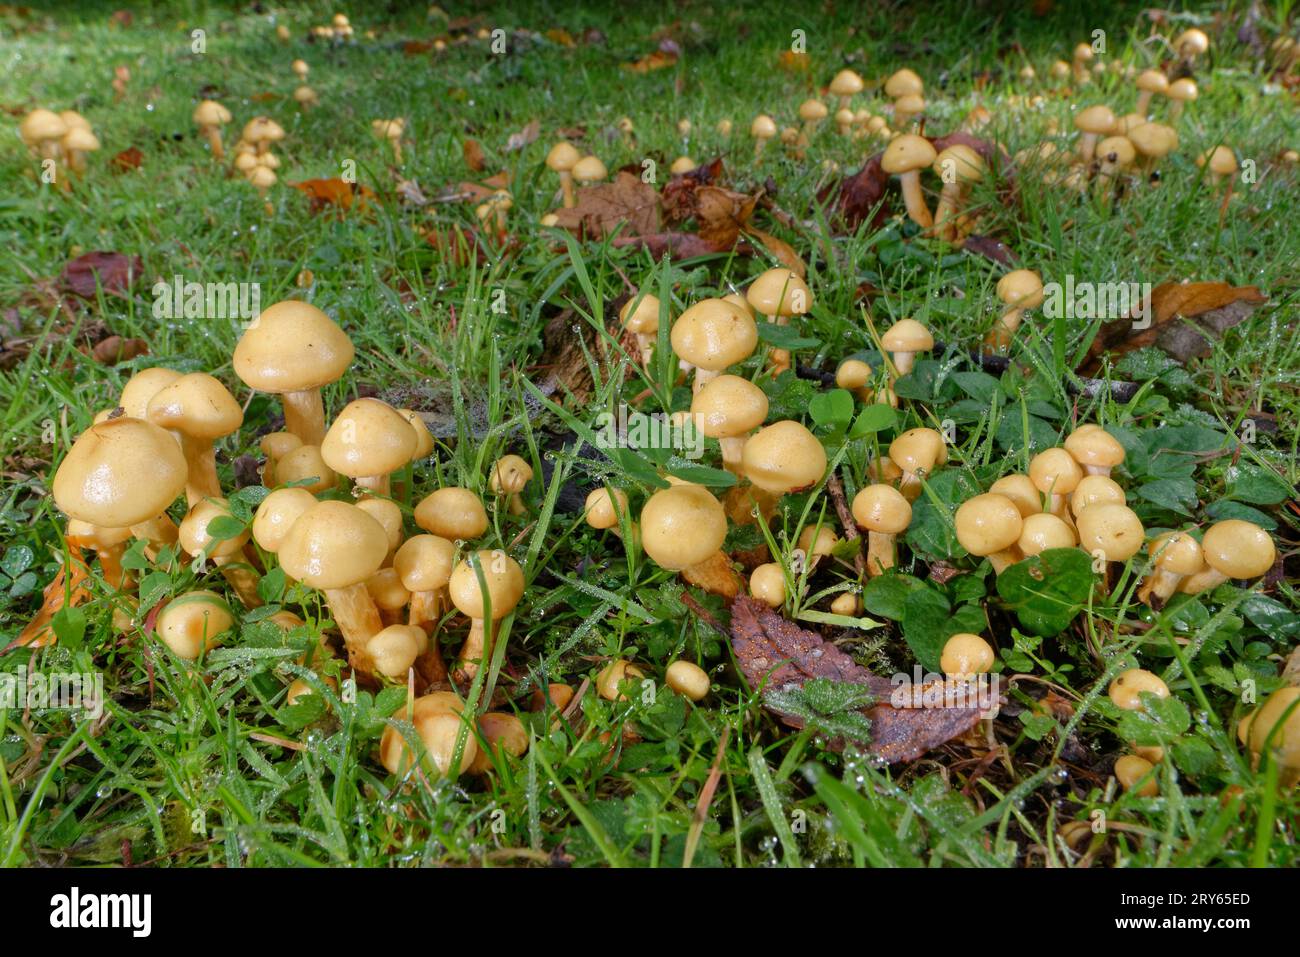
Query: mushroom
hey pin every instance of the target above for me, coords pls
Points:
(293, 349)
(1079, 61)
(1019, 290)
(683, 164)
(604, 509)
(1276, 726)
(261, 132)
(907, 108)
(724, 127)
(1043, 530)
(959, 167)
(262, 179)
(438, 722)
(1059, 70)
(988, 526)
(640, 316)
(42, 130)
(423, 437)
(905, 157)
(109, 545)
(1021, 490)
(965, 656)
(1096, 490)
(815, 543)
(1192, 43)
(305, 465)
(76, 143)
(904, 82)
(812, 112)
(306, 97)
(588, 170)
(1174, 556)
(1153, 141)
(1222, 163)
(388, 514)
(193, 623)
(210, 116)
(711, 336)
(1095, 449)
(504, 583)
(884, 513)
(1055, 473)
(1149, 83)
(123, 472)
(1127, 688)
(502, 734)
(454, 513)
(613, 675)
(1113, 530)
(682, 527)
(845, 85)
(1093, 123)
(1027, 74)
(783, 457)
(779, 294)
(275, 446)
(1134, 774)
(336, 547)
(762, 129)
(276, 514)
(1180, 93)
(300, 69)
(510, 476)
(368, 442)
(688, 679)
(903, 340)
(392, 130)
(854, 375)
(847, 604)
(393, 649)
(916, 452)
(562, 158)
(1115, 154)
(1234, 549)
(728, 409)
(767, 584)
(196, 538)
(425, 563)
(200, 410)
(844, 121)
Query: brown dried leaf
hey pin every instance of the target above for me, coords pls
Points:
(324, 193)
(527, 135)
(64, 591)
(793, 62)
(656, 60)
(113, 272)
(561, 37)
(858, 198)
(127, 160)
(473, 153)
(774, 653)
(114, 349)
(782, 251)
(601, 209)
(674, 245)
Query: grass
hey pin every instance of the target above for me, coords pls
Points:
(207, 766)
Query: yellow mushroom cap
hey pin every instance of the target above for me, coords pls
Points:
(195, 537)
(1114, 530)
(813, 110)
(395, 648)
(1095, 447)
(142, 387)
(966, 654)
(1022, 288)
(1153, 139)
(292, 347)
(882, 508)
(193, 623)
(918, 450)
(563, 157)
(1221, 160)
(644, 319)
(907, 153)
(903, 83)
(1117, 150)
(510, 475)
(1192, 42)
(589, 169)
(1152, 81)
(604, 506)
(853, 374)
(41, 125)
(988, 523)
(1177, 552)
(303, 463)
(729, 406)
(845, 83)
(682, 526)
(197, 405)
(1055, 471)
(423, 437)
(425, 562)
(1095, 119)
(1184, 90)
(1238, 549)
(784, 457)
(333, 545)
(502, 576)
(120, 472)
(907, 335)
(1096, 490)
(452, 512)
(79, 140)
(1022, 491)
(779, 292)
(369, 437)
(1132, 768)
(767, 584)
(1286, 739)
(276, 515)
(1043, 530)
(966, 164)
(211, 113)
(714, 334)
(763, 127)
(1083, 51)
(688, 679)
(263, 129)
(1128, 687)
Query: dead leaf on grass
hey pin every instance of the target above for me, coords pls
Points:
(112, 272)
(527, 135)
(334, 192)
(127, 160)
(473, 153)
(65, 591)
(602, 209)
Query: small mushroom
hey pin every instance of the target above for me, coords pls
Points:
(1096, 490)
(210, 116)
(1019, 290)
(276, 514)
(812, 112)
(1149, 83)
(425, 563)
(300, 69)
(1114, 531)
(196, 538)
(905, 157)
(1021, 490)
(1133, 772)
(1153, 141)
(844, 121)
(1180, 93)
(306, 98)
(394, 649)
(1191, 43)
(959, 167)
(903, 340)
(965, 655)
(561, 159)
(1093, 123)
(391, 130)
(779, 294)
(906, 109)
(1128, 687)
(681, 165)
(1174, 556)
(904, 82)
(783, 457)
(1080, 62)
(1095, 449)
(711, 336)
(1233, 549)
(368, 442)
(1276, 726)
(728, 409)
(1043, 530)
(767, 584)
(688, 679)
(502, 588)
(989, 526)
(762, 129)
(884, 513)
(200, 410)
(845, 85)
(682, 527)
(510, 476)
(916, 452)
(588, 170)
(1055, 473)
(76, 143)
(604, 509)
(194, 623)
(1222, 164)
(1114, 155)
(261, 132)
(503, 734)
(640, 316)
(304, 464)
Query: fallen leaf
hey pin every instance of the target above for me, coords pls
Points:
(524, 137)
(473, 154)
(336, 192)
(64, 591)
(416, 47)
(674, 245)
(794, 62)
(602, 209)
(774, 653)
(561, 37)
(114, 349)
(781, 251)
(113, 272)
(1211, 307)
(991, 249)
(656, 60)
(127, 160)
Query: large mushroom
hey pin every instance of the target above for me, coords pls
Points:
(368, 442)
(683, 527)
(728, 409)
(712, 335)
(989, 526)
(1233, 549)
(293, 350)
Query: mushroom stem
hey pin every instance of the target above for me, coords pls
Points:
(380, 485)
(702, 378)
(213, 135)
(1175, 111)
(516, 504)
(426, 608)
(1004, 330)
(1143, 104)
(950, 199)
(880, 552)
(914, 200)
(201, 458)
(1088, 146)
(1202, 581)
(477, 645)
(903, 362)
(158, 532)
(732, 449)
(357, 619)
(759, 143)
(242, 579)
(910, 486)
(304, 415)
(566, 185)
(110, 563)
(1004, 559)
(1161, 584)
(645, 344)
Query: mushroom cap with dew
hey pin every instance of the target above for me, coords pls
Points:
(292, 347)
(1114, 530)
(1130, 772)
(194, 534)
(1152, 81)
(198, 405)
(263, 129)
(729, 406)
(817, 541)
(966, 164)
(1238, 549)
(333, 545)
(882, 508)
(763, 127)
(904, 82)
(779, 292)
(452, 512)
(682, 526)
(965, 654)
(142, 387)
(510, 475)
(767, 584)
(784, 457)
(211, 113)
(1128, 687)
(1043, 530)
(369, 437)
(1055, 471)
(562, 157)
(388, 514)
(918, 450)
(192, 623)
(1177, 552)
(853, 374)
(120, 472)
(41, 125)
(1095, 447)
(423, 437)
(811, 110)
(1096, 490)
(907, 335)
(1183, 90)
(425, 562)
(1020, 488)
(276, 515)
(589, 169)
(688, 679)
(714, 334)
(1154, 140)
(845, 83)
(1095, 119)
(988, 523)
(395, 648)
(907, 153)
(644, 319)
(502, 576)
(1022, 288)
(604, 506)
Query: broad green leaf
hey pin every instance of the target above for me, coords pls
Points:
(1049, 589)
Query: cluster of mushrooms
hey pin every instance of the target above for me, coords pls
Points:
(253, 157)
(65, 137)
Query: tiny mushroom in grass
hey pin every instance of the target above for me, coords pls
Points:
(1095, 449)
(391, 130)
(293, 350)
(306, 97)
(561, 160)
(393, 650)
(966, 655)
(336, 547)
(510, 476)
(855, 375)
(845, 86)
(1149, 83)
(503, 734)
(194, 623)
(688, 679)
(989, 526)
(123, 472)
(779, 294)
(424, 563)
(454, 513)
(767, 584)
(262, 179)
(903, 340)
(812, 112)
(903, 82)
(907, 108)
(682, 526)
(1055, 473)
(815, 543)
(210, 116)
(504, 582)
(1275, 726)
(844, 121)
(883, 512)
(681, 165)
(1174, 556)
(1127, 688)
(1080, 61)
(300, 69)
(195, 536)
(76, 143)
(729, 409)
(1114, 155)
(1180, 93)
(1134, 775)
(959, 167)
(1043, 530)
(304, 464)
(1019, 290)
(712, 335)
(1021, 490)
(200, 410)
(640, 316)
(1221, 162)
(1192, 43)
(1113, 531)
(905, 157)
(368, 442)
(762, 129)
(848, 604)
(613, 675)
(1093, 123)
(1153, 141)
(604, 509)
(275, 446)
(916, 452)
(1233, 549)
(588, 170)
(439, 725)
(261, 132)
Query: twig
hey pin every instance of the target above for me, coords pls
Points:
(835, 488)
(703, 614)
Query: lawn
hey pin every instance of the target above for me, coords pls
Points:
(290, 739)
